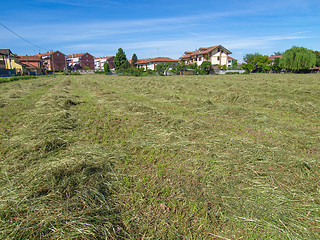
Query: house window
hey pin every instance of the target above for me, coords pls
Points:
(57, 54)
(218, 58)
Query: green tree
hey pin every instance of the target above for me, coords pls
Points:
(120, 59)
(298, 59)
(276, 67)
(234, 64)
(277, 54)
(205, 67)
(179, 68)
(248, 58)
(160, 68)
(317, 58)
(106, 67)
(248, 67)
(134, 59)
(193, 66)
(261, 63)
(256, 63)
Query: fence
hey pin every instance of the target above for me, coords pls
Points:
(7, 72)
(231, 71)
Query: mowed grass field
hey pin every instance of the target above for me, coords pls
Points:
(181, 157)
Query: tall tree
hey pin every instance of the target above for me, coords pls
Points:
(106, 67)
(256, 63)
(248, 58)
(298, 59)
(119, 59)
(317, 58)
(134, 59)
(235, 64)
(276, 67)
(261, 63)
(277, 54)
(205, 67)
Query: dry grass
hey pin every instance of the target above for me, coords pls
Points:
(193, 157)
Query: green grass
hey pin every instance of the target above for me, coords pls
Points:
(189, 157)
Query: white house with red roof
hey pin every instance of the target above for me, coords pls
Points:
(230, 62)
(217, 55)
(150, 63)
(80, 61)
(99, 62)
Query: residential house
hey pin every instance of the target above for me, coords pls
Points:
(99, 62)
(217, 55)
(33, 65)
(230, 62)
(272, 58)
(9, 63)
(150, 63)
(84, 61)
(53, 61)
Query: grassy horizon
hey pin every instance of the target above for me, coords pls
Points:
(189, 157)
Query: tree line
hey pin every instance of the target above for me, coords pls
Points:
(295, 59)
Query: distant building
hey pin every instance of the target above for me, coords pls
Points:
(150, 63)
(99, 62)
(272, 58)
(81, 61)
(9, 63)
(53, 61)
(32, 64)
(217, 55)
(230, 62)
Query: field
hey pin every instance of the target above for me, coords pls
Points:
(181, 157)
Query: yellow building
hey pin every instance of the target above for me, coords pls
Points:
(10, 61)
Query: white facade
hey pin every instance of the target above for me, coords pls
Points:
(151, 63)
(217, 55)
(72, 61)
(99, 63)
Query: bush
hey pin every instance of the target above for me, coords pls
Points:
(232, 73)
(131, 71)
(99, 72)
(16, 78)
(71, 73)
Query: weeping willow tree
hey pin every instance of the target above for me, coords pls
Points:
(298, 59)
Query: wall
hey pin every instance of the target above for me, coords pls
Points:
(59, 61)
(87, 60)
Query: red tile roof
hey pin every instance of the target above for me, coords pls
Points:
(30, 65)
(104, 57)
(78, 55)
(274, 57)
(75, 55)
(29, 58)
(202, 51)
(230, 58)
(157, 59)
(45, 54)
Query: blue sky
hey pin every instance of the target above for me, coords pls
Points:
(159, 28)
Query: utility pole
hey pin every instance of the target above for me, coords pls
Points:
(54, 75)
